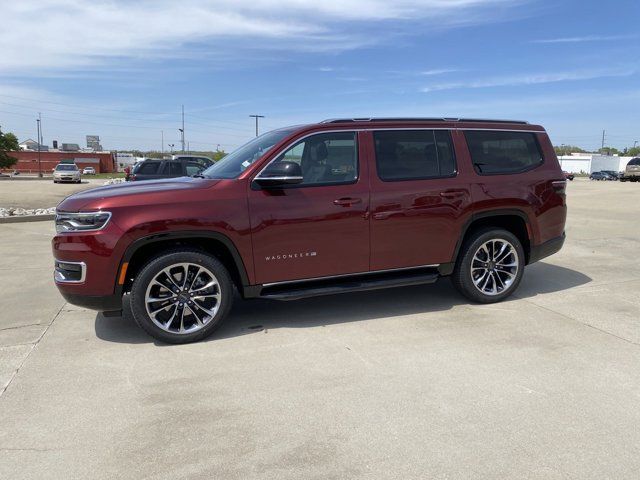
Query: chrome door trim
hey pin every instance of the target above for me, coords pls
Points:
(302, 280)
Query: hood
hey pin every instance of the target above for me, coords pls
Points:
(118, 193)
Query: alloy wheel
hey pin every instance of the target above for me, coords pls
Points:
(183, 298)
(494, 267)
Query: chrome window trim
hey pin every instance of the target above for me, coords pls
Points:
(312, 279)
(375, 129)
(83, 272)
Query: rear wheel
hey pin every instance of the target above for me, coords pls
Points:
(490, 266)
(181, 296)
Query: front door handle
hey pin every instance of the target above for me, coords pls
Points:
(452, 193)
(345, 202)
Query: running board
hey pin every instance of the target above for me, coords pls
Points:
(296, 291)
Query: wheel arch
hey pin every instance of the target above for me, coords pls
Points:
(214, 243)
(512, 220)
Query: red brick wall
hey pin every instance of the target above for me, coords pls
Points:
(28, 161)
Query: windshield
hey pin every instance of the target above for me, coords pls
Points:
(237, 162)
(66, 167)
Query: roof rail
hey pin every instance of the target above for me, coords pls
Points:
(420, 119)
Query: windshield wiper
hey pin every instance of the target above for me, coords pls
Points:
(198, 175)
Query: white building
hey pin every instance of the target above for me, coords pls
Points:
(124, 160)
(592, 162)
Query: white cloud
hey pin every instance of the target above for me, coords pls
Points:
(587, 38)
(58, 35)
(438, 71)
(529, 79)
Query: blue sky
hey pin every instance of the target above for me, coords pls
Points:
(121, 69)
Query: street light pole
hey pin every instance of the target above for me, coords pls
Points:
(182, 130)
(257, 117)
(171, 145)
(39, 162)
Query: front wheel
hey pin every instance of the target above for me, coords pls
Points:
(490, 266)
(181, 296)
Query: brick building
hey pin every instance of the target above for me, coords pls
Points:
(103, 162)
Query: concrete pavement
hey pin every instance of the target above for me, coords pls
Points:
(403, 383)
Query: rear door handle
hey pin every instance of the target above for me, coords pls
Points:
(452, 193)
(345, 202)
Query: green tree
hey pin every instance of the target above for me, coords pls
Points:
(8, 143)
(609, 151)
(633, 152)
(567, 149)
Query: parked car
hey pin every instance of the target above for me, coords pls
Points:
(600, 176)
(155, 169)
(332, 207)
(66, 172)
(568, 175)
(632, 171)
(613, 174)
(89, 171)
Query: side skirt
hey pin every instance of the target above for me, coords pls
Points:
(354, 283)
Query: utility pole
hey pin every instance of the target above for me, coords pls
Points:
(603, 135)
(39, 137)
(182, 130)
(257, 117)
(162, 135)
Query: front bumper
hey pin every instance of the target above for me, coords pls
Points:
(103, 303)
(538, 252)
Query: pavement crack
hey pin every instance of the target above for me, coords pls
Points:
(19, 326)
(33, 347)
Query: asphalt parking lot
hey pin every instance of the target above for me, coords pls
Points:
(409, 383)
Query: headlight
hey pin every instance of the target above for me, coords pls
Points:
(81, 222)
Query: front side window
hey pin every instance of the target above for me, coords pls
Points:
(496, 152)
(414, 154)
(193, 168)
(325, 158)
(232, 165)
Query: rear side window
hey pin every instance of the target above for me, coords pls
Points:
(414, 154)
(148, 168)
(173, 168)
(634, 161)
(496, 152)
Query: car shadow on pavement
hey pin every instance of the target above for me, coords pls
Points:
(257, 315)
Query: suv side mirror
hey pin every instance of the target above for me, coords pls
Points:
(280, 173)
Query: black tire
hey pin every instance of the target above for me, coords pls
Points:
(168, 259)
(462, 277)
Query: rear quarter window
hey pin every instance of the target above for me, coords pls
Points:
(148, 168)
(497, 152)
(634, 162)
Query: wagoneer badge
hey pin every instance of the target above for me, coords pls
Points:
(289, 256)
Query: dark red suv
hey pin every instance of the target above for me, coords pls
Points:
(338, 206)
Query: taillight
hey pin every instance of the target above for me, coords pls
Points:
(559, 186)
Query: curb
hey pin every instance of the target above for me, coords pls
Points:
(27, 218)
